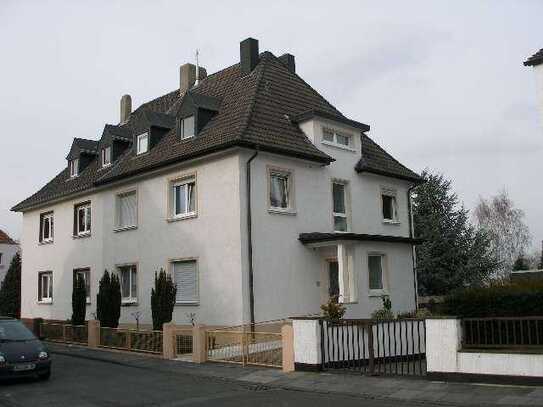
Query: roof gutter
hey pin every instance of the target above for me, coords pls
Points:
(250, 240)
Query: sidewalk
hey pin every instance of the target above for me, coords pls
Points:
(391, 388)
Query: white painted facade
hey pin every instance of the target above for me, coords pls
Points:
(289, 278)
(7, 251)
(444, 354)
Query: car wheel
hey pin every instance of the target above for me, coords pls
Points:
(45, 376)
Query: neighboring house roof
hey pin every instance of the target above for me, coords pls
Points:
(536, 59)
(256, 110)
(5, 239)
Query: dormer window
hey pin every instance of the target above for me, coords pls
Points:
(187, 127)
(143, 143)
(74, 167)
(336, 138)
(106, 156)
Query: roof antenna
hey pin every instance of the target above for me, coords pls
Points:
(197, 68)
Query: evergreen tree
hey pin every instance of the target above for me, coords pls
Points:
(108, 300)
(79, 300)
(454, 253)
(162, 299)
(10, 290)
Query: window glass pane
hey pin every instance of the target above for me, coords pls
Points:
(185, 277)
(187, 127)
(46, 229)
(133, 283)
(328, 135)
(376, 272)
(180, 199)
(125, 282)
(191, 202)
(279, 191)
(127, 209)
(81, 219)
(343, 139)
(340, 223)
(388, 207)
(338, 191)
(333, 274)
(143, 143)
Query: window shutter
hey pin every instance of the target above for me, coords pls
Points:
(185, 277)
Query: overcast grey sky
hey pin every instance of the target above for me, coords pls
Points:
(441, 83)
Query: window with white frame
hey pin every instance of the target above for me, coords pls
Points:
(375, 268)
(46, 227)
(389, 206)
(106, 156)
(129, 283)
(280, 188)
(143, 143)
(84, 274)
(339, 210)
(82, 219)
(74, 167)
(186, 127)
(183, 197)
(336, 138)
(185, 276)
(45, 287)
(127, 210)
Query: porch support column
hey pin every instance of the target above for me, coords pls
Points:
(343, 272)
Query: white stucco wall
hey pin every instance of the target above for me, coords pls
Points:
(538, 70)
(307, 341)
(8, 251)
(443, 354)
(213, 238)
(290, 278)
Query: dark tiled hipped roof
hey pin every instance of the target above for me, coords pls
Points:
(254, 110)
(536, 59)
(5, 239)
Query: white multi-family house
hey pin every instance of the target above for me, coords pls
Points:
(257, 195)
(8, 249)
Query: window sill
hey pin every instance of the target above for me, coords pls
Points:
(124, 228)
(45, 302)
(177, 218)
(188, 303)
(82, 236)
(282, 211)
(341, 147)
(129, 303)
(391, 222)
(46, 242)
(378, 293)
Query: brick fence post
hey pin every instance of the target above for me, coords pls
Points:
(199, 348)
(168, 341)
(93, 332)
(287, 339)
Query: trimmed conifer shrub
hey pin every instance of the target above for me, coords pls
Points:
(162, 299)
(10, 290)
(79, 300)
(108, 300)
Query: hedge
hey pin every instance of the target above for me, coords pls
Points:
(508, 300)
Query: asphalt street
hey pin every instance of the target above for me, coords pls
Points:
(82, 382)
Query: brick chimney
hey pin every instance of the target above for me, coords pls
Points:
(248, 53)
(289, 61)
(187, 77)
(126, 108)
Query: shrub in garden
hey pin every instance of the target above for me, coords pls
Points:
(79, 301)
(500, 300)
(162, 299)
(333, 309)
(384, 313)
(10, 290)
(108, 300)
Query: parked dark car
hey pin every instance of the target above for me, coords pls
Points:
(21, 353)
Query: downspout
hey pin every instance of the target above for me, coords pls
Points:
(250, 241)
(413, 252)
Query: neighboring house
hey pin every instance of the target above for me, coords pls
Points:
(257, 195)
(8, 248)
(536, 61)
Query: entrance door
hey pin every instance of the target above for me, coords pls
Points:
(333, 279)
